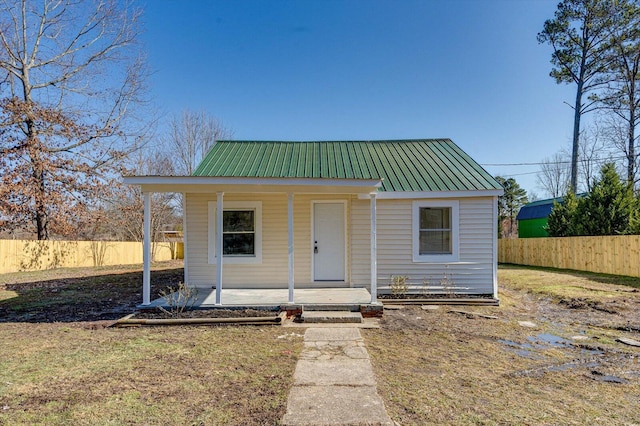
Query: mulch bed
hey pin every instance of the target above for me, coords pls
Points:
(414, 296)
(98, 297)
(208, 313)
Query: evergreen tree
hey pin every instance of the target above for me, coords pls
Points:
(509, 204)
(608, 208)
(560, 222)
(579, 34)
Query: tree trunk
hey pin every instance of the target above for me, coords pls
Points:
(631, 153)
(39, 195)
(39, 185)
(631, 157)
(576, 138)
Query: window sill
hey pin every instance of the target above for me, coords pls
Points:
(239, 260)
(447, 258)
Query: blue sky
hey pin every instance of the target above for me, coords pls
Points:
(468, 70)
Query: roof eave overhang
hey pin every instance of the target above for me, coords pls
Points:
(208, 184)
(403, 195)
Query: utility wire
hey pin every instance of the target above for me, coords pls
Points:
(597, 160)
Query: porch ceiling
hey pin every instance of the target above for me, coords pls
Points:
(206, 184)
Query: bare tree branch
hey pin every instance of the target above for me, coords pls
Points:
(74, 70)
(191, 135)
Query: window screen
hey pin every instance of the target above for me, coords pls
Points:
(435, 230)
(238, 233)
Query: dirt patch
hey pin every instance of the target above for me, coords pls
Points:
(545, 356)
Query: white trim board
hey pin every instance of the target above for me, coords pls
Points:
(390, 195)
(211, 231)
(345, 240)
(227, 180)
(454, 256)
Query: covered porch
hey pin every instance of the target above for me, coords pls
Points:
(240, 293)
(275, 298)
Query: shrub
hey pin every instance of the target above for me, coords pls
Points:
(447, 283)
(399, 286)
(179, 299)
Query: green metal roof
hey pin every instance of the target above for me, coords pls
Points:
(403, 165)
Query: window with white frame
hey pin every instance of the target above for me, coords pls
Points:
(241, 232)
(435, 231)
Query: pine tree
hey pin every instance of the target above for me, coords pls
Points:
(560, 222)
(509, 204)
(608, 208)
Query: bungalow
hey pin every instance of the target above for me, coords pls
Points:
(348, 214)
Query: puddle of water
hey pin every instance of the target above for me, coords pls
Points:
(548, 340)
(513, 344)
(595, 375)
(585, 351)
(521, 349)
(570, 365)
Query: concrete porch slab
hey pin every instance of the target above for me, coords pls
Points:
(274, 298)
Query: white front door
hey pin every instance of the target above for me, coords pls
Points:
(328, 241)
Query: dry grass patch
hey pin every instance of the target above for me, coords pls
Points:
(564, 285)
(64, 374)
(59, 366)
(440, 367)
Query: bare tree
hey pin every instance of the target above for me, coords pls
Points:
(622, 96)
(124, 208)
(191, 135)
(554, 174)
(70, 73)
(594, 151)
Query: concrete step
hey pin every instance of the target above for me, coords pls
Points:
(331, 317)
(332, 307)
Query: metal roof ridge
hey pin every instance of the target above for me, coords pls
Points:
(441, 140)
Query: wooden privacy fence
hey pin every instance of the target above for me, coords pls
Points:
(23, 255)
(617, 255)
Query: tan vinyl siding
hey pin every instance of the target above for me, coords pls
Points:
(472, 273)
(273, 271)
(360, 242)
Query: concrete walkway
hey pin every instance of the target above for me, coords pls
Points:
(333, 382)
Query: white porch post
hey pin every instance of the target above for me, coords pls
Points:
(146, 250)
(219, 253)
(290, 222)
(374, 250)
(495, 249)
(184, 238)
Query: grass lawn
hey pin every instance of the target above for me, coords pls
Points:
(441, 367)
(79, 372)
(59, 365)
